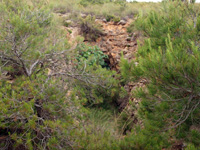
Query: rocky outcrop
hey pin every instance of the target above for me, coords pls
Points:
(122, 22)
(116, 42)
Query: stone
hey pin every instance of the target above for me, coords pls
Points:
(83, 15)
(136, 63)
(122, 22)
(104, 20)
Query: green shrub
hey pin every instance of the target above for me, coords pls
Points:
(109, 17)
(36, 114)
(100, 129)
(127, 118)
(62, 6)
(87, 2)
(116, 19)
(90, 29)
(61, 9)
(194, 137)
(66, 24)
(143, 139)
(92, 55)
(113, 18)
(97, 85)
(191, 147)
(24, 30)
(70, 31)
(168, 61)
(94, 81)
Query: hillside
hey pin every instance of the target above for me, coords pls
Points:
(99, 75)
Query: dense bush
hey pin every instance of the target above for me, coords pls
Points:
(37, 114)
(90, 29)
(93, 78)
(87, 2)
(66, 99)
(100, 130)
(110, 17)
(92, 55)
(24, 28)
(169, 61)
(96, 84)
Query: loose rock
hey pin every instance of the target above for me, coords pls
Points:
(122, 22)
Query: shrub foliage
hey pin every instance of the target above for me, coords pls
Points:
(169, 62)
(61, 98)
(90, 29)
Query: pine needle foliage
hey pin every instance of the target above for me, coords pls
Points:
(37, 114)
(168, 60)
(27, 36)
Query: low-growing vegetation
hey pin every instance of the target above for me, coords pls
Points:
(92, 55)
(118, 8)
(55, 94)
(90, 29)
